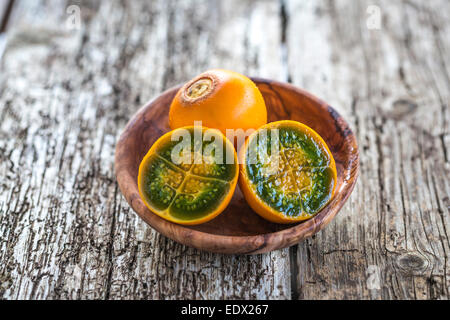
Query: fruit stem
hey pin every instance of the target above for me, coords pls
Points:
(199, 88)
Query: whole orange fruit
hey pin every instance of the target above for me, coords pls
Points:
(221, 99)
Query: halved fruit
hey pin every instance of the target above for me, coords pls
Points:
(189, 175)
(287, 172)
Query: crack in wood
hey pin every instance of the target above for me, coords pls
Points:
(5, 12)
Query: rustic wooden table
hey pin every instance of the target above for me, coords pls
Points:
(69, 84)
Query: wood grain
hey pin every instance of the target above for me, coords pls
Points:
(65, 95)
(5, 11)
(391, 241)
(66, 230)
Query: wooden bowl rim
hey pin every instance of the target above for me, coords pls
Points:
(246, 244)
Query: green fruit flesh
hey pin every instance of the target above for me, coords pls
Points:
(193, 188)
(196, 203)
(293, 176)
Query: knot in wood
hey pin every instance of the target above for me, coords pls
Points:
(402, 108)
(412, 263)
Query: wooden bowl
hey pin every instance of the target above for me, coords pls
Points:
(238, 229)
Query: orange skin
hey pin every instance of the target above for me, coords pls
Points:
(222, 99)
(245, 184)
(164, 214)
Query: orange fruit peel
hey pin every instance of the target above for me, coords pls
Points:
(220, 99)
(287, 172)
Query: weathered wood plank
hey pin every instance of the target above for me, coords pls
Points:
(5, 11)
(66, 231)
(200, 275)
(392, 85)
